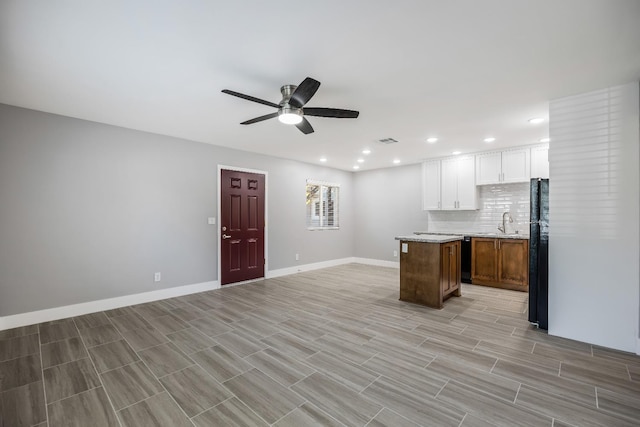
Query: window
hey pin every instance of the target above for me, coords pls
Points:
(322, 205)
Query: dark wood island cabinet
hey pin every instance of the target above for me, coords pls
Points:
(429, 268)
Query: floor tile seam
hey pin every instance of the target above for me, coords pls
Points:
(302, 379)
(502, 356)
(179, 370)
(494, 365)
(605, 411)
(291, 411)
(554, 386)
(19, 337)
(144, 348)
(361, 392)
(598, 410)
(515, 398)
(67, 363)
(58, 340)
(374, 417)
(603, 385)
(435, 397)
(118, 412)
(409, 386)
(215, 406)
(95, 369)
(165, 391)
(274, 379)
(567, 398)
(298, 361)
(18, 357)
(103, 343)
(44, 389)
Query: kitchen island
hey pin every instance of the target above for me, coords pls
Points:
(429, 268)
(498, 260)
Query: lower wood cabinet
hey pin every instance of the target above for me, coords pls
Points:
(501, 263)
(429, 272)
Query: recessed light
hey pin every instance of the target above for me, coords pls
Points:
(323, 159)
(536, 120)
(356, 167)
(490, 139)
(360, 160)
(432, 140)
(545, 139)
(455, 153)
(396, 161)
(366, 151)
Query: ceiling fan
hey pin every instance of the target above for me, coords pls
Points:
(290, 109)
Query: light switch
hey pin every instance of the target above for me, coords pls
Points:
(211, 220)
(405, 248)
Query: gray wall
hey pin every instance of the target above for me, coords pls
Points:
(90, 211)
(389, 203)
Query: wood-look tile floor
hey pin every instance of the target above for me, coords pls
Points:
(331, 347)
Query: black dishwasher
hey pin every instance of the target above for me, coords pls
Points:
(465, 261)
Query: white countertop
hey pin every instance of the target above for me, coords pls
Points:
(475, 234)
(430, 238)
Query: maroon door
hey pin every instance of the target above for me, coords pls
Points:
(242, 226)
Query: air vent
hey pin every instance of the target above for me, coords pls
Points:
(387, 141)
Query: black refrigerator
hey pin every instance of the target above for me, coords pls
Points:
(539, 254)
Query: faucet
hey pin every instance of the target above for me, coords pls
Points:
(503, 227)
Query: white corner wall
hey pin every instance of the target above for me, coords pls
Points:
(594, 217)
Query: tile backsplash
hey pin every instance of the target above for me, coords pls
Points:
(493, 201)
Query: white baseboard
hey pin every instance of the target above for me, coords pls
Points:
(325, 264)
(378, 262)
(33, 317)
(307, 267)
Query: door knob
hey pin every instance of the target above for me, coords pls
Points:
(224, 236)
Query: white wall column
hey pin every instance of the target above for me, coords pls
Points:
(594, 217)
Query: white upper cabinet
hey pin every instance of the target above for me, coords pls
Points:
(540, 161)
(431, 185)
(467, 191)
(488, 168)
(458, 187)
(503, 167)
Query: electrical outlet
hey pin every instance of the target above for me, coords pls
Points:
(297, 257)
(395, 253)
(157, 277)
(211, 221)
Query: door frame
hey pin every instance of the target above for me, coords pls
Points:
(266, 219)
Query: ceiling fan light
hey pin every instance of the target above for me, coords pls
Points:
(290, 116)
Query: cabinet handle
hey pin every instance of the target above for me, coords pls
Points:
(499, 244)
(494, 244)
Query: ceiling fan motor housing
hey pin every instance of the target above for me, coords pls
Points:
(287, 91)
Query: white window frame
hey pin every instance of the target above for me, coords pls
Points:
(317, 206)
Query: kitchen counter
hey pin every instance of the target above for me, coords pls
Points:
(474, 234)
(430, 238)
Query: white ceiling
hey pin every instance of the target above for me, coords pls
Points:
(460, 70)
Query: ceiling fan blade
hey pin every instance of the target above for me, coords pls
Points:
(304, 92)
(261, 118)
(305, 127)
(250, 98)
(331, 112)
